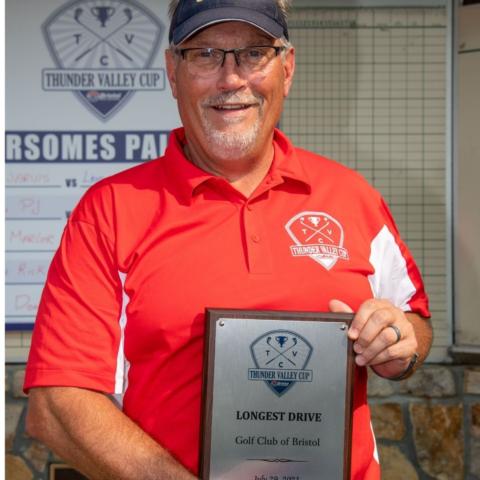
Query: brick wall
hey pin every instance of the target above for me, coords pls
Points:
(427, 427)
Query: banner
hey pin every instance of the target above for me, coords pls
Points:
(86, 96)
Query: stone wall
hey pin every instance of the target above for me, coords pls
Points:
(427, 427)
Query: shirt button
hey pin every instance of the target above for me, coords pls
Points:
(249, 207)
(255, 238)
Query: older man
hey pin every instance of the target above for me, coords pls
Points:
(212, 223)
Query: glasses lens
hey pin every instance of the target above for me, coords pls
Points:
(256, 58)
(203, 60)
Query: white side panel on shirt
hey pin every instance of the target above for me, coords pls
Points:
(121, 374)
(390, 279)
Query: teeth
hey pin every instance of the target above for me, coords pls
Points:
(231, 107)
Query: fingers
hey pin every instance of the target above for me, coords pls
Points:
(374, 341)
(370, 319)
(385, 347)
(337, 306)
(385, 338)
(369, 322)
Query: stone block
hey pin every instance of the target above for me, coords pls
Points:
(388, 422)
(379, 387)
(438, 439)
(16, 469)
(430, 382)
(17, 388)
(13, 412)
(395, 465)
(37, 453)
(471, 383)
(475, 420)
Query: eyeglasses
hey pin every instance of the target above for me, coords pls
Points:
(205, 62)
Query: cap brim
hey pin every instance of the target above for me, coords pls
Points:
(226, 14)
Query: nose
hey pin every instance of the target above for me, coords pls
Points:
(230, 75)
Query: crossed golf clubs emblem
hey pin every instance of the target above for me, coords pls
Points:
(281, 341)
(317, 231)
(103, 14)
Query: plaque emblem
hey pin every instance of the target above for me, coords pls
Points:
(280, 357)
(317, 235)
(103, 51)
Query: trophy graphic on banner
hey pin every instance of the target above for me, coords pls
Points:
(103, 14)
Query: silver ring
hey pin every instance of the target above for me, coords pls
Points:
(397, 332)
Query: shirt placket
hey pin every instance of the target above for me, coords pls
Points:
(258, 238)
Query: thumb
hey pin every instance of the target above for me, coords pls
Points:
(337, 306)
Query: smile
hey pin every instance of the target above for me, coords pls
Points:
(232, 107)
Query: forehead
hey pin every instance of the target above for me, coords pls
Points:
(230, 32)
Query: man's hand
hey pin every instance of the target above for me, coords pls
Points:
(385, 337)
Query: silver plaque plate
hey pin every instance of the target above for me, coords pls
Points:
(277, 396)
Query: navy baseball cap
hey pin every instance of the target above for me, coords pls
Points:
(191, 16)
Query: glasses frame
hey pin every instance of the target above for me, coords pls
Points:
(235, 51)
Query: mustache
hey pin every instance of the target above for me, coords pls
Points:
(232, 98)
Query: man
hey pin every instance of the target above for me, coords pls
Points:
(211, 224)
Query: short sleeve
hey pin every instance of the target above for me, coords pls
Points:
(396, 276)
(77, 333)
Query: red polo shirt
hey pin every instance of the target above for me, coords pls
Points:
(146, 251)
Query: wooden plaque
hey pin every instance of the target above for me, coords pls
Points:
(277, 396)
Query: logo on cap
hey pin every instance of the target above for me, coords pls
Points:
(103, 51)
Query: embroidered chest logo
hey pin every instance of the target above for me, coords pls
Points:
(317, 235)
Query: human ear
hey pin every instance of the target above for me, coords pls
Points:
(289, 70)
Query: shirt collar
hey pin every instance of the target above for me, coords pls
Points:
(182, 174)
(286, 164)
(185, 177)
